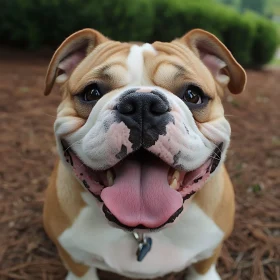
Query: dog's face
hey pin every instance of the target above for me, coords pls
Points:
(142, 126)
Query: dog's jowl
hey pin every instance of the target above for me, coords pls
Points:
(140, 188)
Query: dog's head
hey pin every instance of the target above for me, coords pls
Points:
(142, 126)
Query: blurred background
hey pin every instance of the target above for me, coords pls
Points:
(250, 28)
(30, 30)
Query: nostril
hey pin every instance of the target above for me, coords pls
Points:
(159, 108)
(126, 108)
(143, 104)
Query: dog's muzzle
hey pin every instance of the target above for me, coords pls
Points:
(146, 114)
(142, 186)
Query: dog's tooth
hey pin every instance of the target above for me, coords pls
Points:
(110, 178)
(176, 175)
(174, 184)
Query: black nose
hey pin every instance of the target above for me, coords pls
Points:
(146, 114)
(143, 105)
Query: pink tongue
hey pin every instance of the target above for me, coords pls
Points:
(141, 194)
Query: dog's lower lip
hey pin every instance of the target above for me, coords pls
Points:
(180, 180)
(98, 197)
(114, 220)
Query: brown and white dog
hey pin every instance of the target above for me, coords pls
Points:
(142, 138)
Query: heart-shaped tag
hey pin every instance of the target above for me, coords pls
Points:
(144, 248)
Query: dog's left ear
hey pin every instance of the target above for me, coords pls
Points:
(69, 54)
(217, 58)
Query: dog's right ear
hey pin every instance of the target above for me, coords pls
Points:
(69, 54)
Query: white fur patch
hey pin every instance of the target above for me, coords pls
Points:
(135, 62)
(90, 275)
(92, 241)
(211, 274)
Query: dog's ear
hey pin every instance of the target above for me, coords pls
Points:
(217, 58)
(69, 54)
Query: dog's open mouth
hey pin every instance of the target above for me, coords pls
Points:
(142, 191)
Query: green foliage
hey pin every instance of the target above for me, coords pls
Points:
(239, 36)
(250, 38)
(265, 41)
(233, 3)
(228, 2)
(35, 23)
(175, 17)
(258, 6)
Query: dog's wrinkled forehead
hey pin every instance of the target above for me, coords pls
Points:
(116, 65)
(198, 57)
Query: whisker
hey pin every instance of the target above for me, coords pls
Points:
(71, 145)
(218, 147)
(215, 157)
(81, 165)
(232, 116)
(49, 115)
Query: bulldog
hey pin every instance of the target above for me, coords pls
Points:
(140, 188)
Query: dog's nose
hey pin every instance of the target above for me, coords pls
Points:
(143, 105)
(146, 114)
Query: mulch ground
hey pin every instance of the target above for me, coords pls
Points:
(28, 154)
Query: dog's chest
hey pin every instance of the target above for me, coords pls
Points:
(92, 241)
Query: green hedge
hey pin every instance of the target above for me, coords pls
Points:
(252, 39)
(265, 41)
(36, 23)
(33, 23)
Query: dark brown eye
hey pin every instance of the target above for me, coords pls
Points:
(91, 93)
(193, 94)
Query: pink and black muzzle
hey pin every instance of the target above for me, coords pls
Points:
(139, 192)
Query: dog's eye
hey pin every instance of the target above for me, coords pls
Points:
(193, 94)
(91, 93)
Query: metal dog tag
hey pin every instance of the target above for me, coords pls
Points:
(144, 246)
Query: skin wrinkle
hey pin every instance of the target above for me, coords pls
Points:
(113, 49)
(178, 50)
(97, 58)
(207, 128)
(83, 110)
(169, 82)
(166, 149)
(76, 124)
(180, 73)
(96, 75)
(101, 52)
(171, 59)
